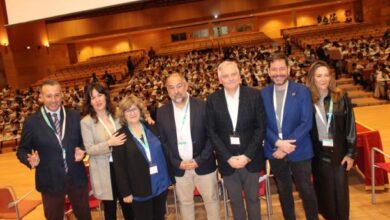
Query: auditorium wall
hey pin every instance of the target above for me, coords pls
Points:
(142, 31)
(25, 66)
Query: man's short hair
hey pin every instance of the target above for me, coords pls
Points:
(181, 76)
(50, 82)
(277, 56)
(226, 63)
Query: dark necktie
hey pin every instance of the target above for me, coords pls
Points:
(59, 135)
(57, 124)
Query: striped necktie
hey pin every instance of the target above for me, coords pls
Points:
(59, 135)
(57, 124)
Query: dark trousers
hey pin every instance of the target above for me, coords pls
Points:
(301, 172)
(53, 203)
(243, 180)
(111, 205)
(152, 209)
(331, 185)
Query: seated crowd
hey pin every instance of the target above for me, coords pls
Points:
(367, 60)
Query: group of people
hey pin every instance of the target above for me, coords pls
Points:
(302, 130)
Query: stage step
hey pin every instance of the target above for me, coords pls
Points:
(349, 87)
(359, 94)
(368, 101)
(343, 81)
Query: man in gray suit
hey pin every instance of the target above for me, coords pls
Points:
(183, 133)
(236, 127)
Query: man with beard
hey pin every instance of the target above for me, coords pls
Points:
(288, 145)
(183, 133)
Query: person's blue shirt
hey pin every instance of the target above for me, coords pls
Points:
(159, 181)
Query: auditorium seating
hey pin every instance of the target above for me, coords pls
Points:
(79, 73)
(209, 43)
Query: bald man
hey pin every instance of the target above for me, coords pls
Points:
(183, 133)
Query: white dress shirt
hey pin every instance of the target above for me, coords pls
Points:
(232, 104)
(183, 131)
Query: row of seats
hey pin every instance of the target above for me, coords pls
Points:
(78, 74)
(224, 41)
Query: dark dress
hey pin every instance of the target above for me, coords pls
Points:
(330, 177)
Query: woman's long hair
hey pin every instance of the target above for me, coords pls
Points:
(335, 92)
(88, 108)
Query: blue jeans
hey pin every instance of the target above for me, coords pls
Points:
(301, 172)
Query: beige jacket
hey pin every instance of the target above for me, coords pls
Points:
(95, 139)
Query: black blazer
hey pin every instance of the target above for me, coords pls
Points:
(50, 173)
(131, 167)
(202, 148)
(250, 127)
(343, 130)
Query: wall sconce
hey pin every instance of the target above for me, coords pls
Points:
(27, 47)
(47, 45)
(5, 44)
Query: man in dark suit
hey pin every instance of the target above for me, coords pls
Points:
(236, 127)
(51, 142)
(288, 145)
(183, 133)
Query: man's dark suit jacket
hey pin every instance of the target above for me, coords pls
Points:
(202, 148)
(250, 127)
(131, 167)
(50, 173)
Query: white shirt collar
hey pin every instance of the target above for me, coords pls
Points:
(236, 95)
(51, 112)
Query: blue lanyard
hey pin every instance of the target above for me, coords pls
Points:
(185, 115)
(329, 114)
(145, 143)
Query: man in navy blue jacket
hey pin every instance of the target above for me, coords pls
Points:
(288, 145)
(51, 143)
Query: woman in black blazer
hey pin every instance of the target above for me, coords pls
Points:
(143, 175)
(334, 141)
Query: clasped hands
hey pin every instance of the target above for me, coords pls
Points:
(188, 164)
(238, 162)
(34, 159)
(284, 147)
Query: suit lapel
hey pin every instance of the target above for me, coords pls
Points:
(289, 99)
(193, 112)
(44, 125)
(272, 106)
(171, 119)
(241, 106)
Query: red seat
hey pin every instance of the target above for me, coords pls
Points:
(13, 208)
(385, 167)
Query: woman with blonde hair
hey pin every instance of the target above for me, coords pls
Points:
(334, 141)
(140, 162)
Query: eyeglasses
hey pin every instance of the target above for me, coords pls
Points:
(132, 110)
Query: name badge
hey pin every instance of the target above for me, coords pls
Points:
(234, 140)
(153, 169)
(327, 142)
(182, 144)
